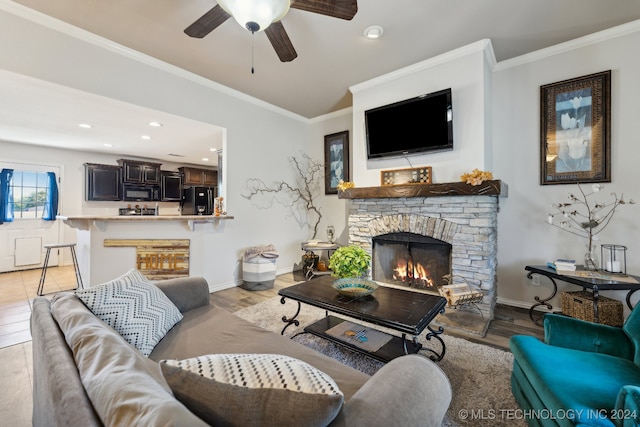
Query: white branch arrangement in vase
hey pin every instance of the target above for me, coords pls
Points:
(586, 218)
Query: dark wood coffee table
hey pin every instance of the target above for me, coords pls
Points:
(400, 310)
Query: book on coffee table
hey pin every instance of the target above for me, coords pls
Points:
(366, 338)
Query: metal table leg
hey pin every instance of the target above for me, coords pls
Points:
(292, 320)
(79, 284)
(44, 272)
(542, 301)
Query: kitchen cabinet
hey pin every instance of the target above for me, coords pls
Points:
(171, 186)
(102, 182)
(196, 176)
(138, 172)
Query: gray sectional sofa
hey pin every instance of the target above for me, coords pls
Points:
(85, 374)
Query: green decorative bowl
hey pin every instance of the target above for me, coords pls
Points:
(355, 288)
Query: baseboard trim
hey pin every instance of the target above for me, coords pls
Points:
(525, 304)
(235, 283)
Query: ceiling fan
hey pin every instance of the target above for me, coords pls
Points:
(266, 15)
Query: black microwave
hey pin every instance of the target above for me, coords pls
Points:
(141, 193)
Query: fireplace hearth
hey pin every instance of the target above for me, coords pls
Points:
(411, 260)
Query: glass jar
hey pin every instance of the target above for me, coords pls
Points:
(331, 233)
(591, 261)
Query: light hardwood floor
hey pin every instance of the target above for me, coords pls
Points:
(508, 321)
(17, 290)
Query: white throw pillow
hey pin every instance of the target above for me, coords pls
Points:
(252, 390)
(137, 309)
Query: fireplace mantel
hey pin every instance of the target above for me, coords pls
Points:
(487, 188)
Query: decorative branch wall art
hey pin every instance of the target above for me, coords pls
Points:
(301, 193)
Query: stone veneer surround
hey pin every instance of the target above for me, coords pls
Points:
(467, 222)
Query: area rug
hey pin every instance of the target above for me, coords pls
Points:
(479, 375)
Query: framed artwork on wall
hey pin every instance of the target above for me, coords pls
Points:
(575, 130)
(336, 161)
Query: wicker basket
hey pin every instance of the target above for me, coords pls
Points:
(580, 305)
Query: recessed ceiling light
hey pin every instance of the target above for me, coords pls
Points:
(146, 137)
(213, 149)
(155, 124)
(205, 159)
(373, 32)
(108, 145)
(85, 126)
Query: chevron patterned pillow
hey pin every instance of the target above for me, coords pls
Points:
(137, 309)
(254, 390)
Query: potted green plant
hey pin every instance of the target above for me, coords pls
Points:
(350, 261)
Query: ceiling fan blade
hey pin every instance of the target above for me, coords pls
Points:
(280, 41)
(207, 22)
(343, 9)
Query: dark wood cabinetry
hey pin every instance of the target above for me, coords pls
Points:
(196, 176)
(171, 186)
(134, 177)
(103, 182)
(140, 172)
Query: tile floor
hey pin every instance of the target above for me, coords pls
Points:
(17, 290)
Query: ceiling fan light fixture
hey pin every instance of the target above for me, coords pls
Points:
(255, 15)
(373, 32)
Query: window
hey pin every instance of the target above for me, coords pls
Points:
(30, 191)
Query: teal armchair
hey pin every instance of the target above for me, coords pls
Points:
(583, 374)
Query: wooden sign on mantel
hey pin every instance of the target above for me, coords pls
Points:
(420, 175)
(158, 259)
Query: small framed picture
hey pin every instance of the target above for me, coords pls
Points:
(336, 160)
(575, 130)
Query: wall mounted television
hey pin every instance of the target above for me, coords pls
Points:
(416, 125)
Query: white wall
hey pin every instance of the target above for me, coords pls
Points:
(465, 72)
(334, 210)
(496, 127)
(259, 137)
(524, 235)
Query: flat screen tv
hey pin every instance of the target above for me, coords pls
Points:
(417, 125)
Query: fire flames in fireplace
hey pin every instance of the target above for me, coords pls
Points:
(413, 273)
(411, 260)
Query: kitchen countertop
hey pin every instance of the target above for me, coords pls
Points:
(83, 222)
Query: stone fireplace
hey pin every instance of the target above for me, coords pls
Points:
(455, 214)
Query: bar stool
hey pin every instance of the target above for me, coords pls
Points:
(48, 247)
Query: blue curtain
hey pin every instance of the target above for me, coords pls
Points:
(6, 198)
(51, 202)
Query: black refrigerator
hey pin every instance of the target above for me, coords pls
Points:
(198, 200)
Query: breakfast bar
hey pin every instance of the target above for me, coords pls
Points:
(161, 246)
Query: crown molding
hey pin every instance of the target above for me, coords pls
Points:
(104, 43)
(588, 40)
(331, 115)
(479, 46)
